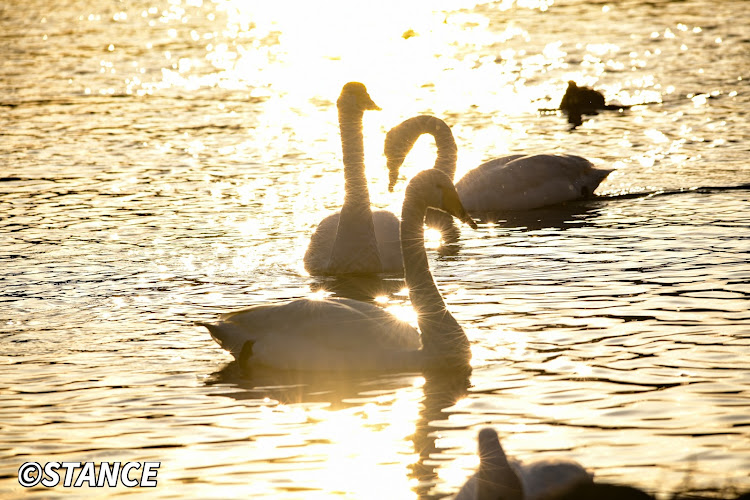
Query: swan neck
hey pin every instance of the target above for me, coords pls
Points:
(353, 149)
(355, 248)
(447, 151)
(442, 337)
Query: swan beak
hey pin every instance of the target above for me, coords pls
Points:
(395, 152)
(452, 204)
(367, 103)
(393, 168)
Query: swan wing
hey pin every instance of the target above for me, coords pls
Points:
(544, 478)
(387, 232)
(305, 334)
(318, 252)
(519, 182)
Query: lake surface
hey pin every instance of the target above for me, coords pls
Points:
(164, 161)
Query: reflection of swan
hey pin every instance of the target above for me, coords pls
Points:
(499, 477)
(343, 334)
(514, 182)
(355, 240)
(441, 391)
(363, 287)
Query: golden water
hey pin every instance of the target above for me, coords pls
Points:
(163, 161)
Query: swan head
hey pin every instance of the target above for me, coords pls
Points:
(495, 478)
(436, 190)
(355, 99)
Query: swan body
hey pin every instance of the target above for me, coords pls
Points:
(513, 182)
(346, 335)
(314, 335)
(355, 240)
(501, 478)
(386, 227)
(525, 182)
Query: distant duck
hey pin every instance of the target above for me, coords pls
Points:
(579, 101)
(339, 334)
(582, 100)
(355, 240)
(513, 182)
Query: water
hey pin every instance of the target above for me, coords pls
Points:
(165, 161)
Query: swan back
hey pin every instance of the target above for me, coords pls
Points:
(334, 334)
(525, 182)
(549, 477)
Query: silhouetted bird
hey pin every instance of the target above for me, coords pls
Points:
(582, 100)
(579, 101)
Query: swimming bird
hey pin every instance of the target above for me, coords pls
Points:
(501, 478)
(338, 334)
(579, 101)
(355, 240)
(513, 182)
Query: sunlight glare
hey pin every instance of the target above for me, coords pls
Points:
(319, 294)
(403, 312)
(432, 238)
(360, 443)
(381, 299)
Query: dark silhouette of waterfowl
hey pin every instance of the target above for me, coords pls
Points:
(579, 101)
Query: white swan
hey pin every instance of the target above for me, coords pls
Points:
(514, 182)
(355, 240)
(500, 478)
(344, 334)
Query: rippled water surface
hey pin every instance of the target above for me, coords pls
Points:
(163, 161)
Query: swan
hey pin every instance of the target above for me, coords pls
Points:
(339, 334)
(501, 478)
(514, 182)
(355, 240)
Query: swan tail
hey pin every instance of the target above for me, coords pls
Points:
(593, 179)
(599, 174)
(230, 337)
